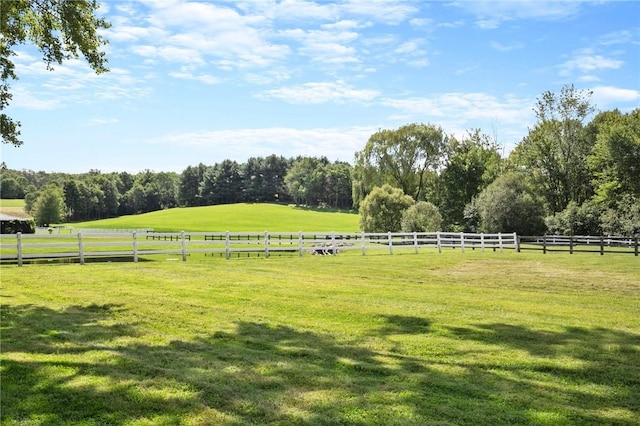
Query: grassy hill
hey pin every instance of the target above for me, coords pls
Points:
(13, 208)
(235, 217)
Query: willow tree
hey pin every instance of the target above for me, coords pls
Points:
(402, 158)
(60, 29)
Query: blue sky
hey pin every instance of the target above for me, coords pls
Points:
(205, 81)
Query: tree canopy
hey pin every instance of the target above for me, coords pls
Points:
(402, 158)
(59, 29)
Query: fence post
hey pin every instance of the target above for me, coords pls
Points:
(80, 248)
(636, 249)
(544, 244)
(300, 243)
(227, 248)
(482, 242)
(390, 242)
(184, 247)
(438, 242)
(462, 242)
(516, 242)
(500, 242)
(570, 244)
(601, 245)
(333, 243)
(415, 241)
(134, 235)
(19, 247)
(266, 244)
(364, 244)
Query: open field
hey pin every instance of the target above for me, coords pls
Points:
(235, 217)
(451, 338)
(13, 208)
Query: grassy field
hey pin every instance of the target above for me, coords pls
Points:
(235, 217)
(443, 339)
(13, 208)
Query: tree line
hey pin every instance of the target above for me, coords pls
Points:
(575, 172)
(57, 197)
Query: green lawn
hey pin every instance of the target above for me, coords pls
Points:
(13, 208)
(235, 217)
(451, 338)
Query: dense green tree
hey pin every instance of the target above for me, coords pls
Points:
(189, 188)
(110, 195)
(222, 183)
(615, 159)
(49, 206)
(554, 153)
(471, 164)
(423, 216)
(508, 204)
(306, 180)
(263, 179)
(59, 29)
(382, 209)
(403, 158)
(577, 219)
(338, 185)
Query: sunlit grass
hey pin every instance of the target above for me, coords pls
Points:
(236, 217)
(13, 208)
(451, 338)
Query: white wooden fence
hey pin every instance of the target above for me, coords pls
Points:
(21, 247)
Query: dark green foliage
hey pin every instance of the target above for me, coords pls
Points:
(13, 226)
(61, 30)
(382, 209)
(509, 205)
(421, 217)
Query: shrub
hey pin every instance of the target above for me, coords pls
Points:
(421, 217)
(382, 209)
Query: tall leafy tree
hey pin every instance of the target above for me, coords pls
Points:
(403, 158)
(60, 29)
(510, 205)
(555, 151)
(222, 183)
(615, 159)
(471, 164)
(49, 206)
(189, 188)
(306, 180)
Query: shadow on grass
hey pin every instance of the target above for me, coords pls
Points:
(80, 366)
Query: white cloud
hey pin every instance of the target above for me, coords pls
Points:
(100, 121)
(491, 14)
(318, 93)
(587, 61)
(457, 112)
(388, 11)
(507, 47)
(604, 96)
(240, 144)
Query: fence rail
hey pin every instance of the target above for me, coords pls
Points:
(83, 245)
(580, 244)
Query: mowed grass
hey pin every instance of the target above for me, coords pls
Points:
(13, 208)
(235, 217)
(444, 339)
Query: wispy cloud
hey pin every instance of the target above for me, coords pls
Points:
(604, 96)
(240, 144)
(587, 61)
(322, 92)
(492, 14)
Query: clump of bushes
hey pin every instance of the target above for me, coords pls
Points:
(13, 226)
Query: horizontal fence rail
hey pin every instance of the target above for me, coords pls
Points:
(580, 244)
(83, 245)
